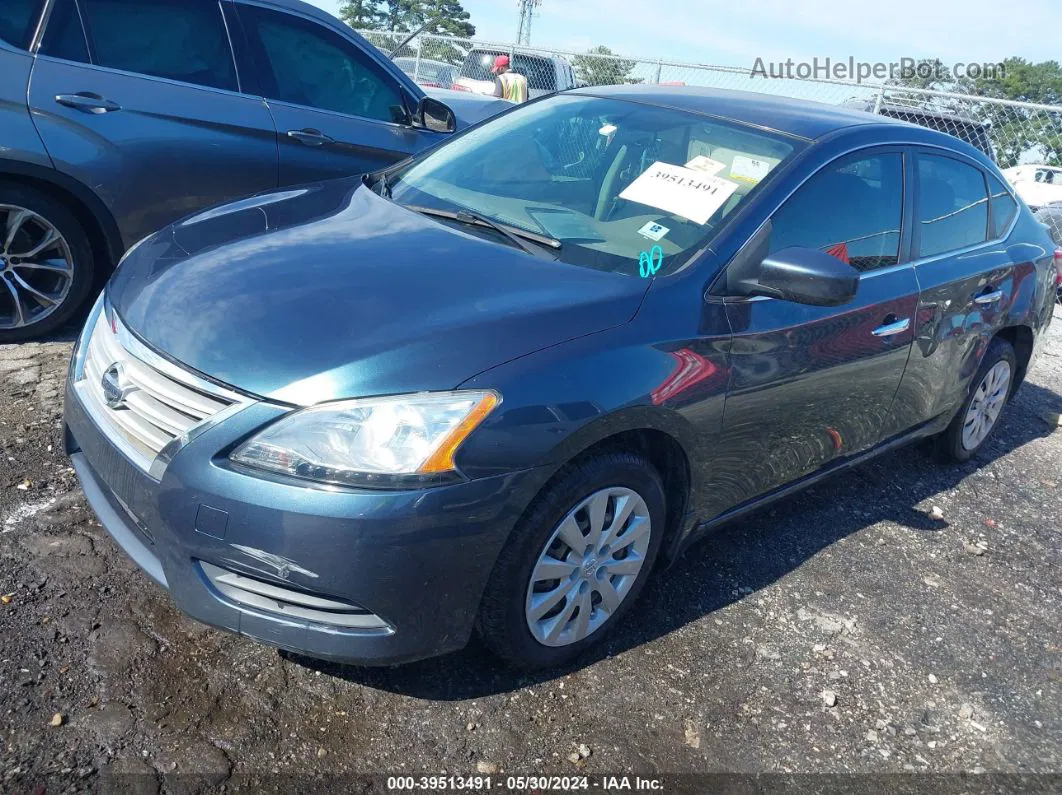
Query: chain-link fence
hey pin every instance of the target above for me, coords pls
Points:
(1025, 139)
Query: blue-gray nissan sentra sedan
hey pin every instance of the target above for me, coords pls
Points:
(490, 388)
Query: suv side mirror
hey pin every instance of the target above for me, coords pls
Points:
(435, 116)
(806, 276)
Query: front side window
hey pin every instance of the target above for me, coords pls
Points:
(18, 18)
(307, 64)
(181, 40)
(621, 186)
(952, 206)
(852, 211)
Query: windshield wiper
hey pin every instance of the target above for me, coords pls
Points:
(514, 234)
(379, 185)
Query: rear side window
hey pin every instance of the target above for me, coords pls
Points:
(952, 206)
(18, 18)
(853, 211)
(65, 36)
(307, 64)
(181, 40)
(1004, 208)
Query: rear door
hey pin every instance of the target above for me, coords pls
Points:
(812, 384)
(139, 99)
(337, 111)
(967, 278)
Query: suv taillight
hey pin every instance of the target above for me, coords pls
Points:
(1058, 266)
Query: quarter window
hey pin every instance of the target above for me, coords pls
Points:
(306, 64)
(853, 211)
(17, 21)
(181, 40)
(952, 205)
(1004, 208)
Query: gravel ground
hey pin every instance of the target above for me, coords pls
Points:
(903, 617)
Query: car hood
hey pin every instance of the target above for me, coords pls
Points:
(330, 291)
(468, 108)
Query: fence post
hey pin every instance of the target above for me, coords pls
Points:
(878, 100)
(416, 66)
(659, 66)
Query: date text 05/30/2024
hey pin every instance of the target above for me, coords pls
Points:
(522, 783)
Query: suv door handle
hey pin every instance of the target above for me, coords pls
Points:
(892, 327)
(310, 137)
(988, 298)
(87, 102)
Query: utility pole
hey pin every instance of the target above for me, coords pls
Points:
(527, 10)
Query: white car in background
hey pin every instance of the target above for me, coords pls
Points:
(1037, 185)
(545, 73)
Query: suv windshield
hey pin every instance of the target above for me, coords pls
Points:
(622, 186)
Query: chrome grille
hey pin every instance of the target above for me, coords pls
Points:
(151, 401)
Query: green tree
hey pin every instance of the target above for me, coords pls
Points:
(450, 17)
(363, 14)
(1017, 133)
(603, 71)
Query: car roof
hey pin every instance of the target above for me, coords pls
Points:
(797, 117)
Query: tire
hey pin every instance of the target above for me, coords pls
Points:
(38, 212)
(504, 617)
(953, 444)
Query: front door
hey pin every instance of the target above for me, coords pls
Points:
(142, 104)
(337, 112)
(811, 384)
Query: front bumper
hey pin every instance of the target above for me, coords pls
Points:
(417, 560)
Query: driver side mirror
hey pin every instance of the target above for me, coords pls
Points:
(805, 276)
(435, 116)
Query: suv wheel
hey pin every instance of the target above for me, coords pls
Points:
(46, 265)
(575, 563)
(980, 412)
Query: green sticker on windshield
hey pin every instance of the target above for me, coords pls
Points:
(649, 262)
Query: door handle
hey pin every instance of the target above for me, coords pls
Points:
(988, 298)
(892, 327)
(310, 137)
(87, 102)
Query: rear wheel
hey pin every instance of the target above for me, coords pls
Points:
(46, 264)
(980, 412)
(576, 562)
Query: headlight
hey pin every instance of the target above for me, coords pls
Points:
(370, 441)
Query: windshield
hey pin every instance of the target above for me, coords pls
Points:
(622, 186)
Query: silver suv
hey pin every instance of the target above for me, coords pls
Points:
(120, 117)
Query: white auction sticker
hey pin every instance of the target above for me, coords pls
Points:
(706, 164)
(749, 169)
(679, 190)
(654, 231)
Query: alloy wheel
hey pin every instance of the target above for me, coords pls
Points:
(588, 566)
(36, 267)
(988, 401)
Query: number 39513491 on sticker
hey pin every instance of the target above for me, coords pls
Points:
(681, 191)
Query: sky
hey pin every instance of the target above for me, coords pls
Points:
(723, 32)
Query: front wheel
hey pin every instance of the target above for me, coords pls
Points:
(576, 562)
(980, 412)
